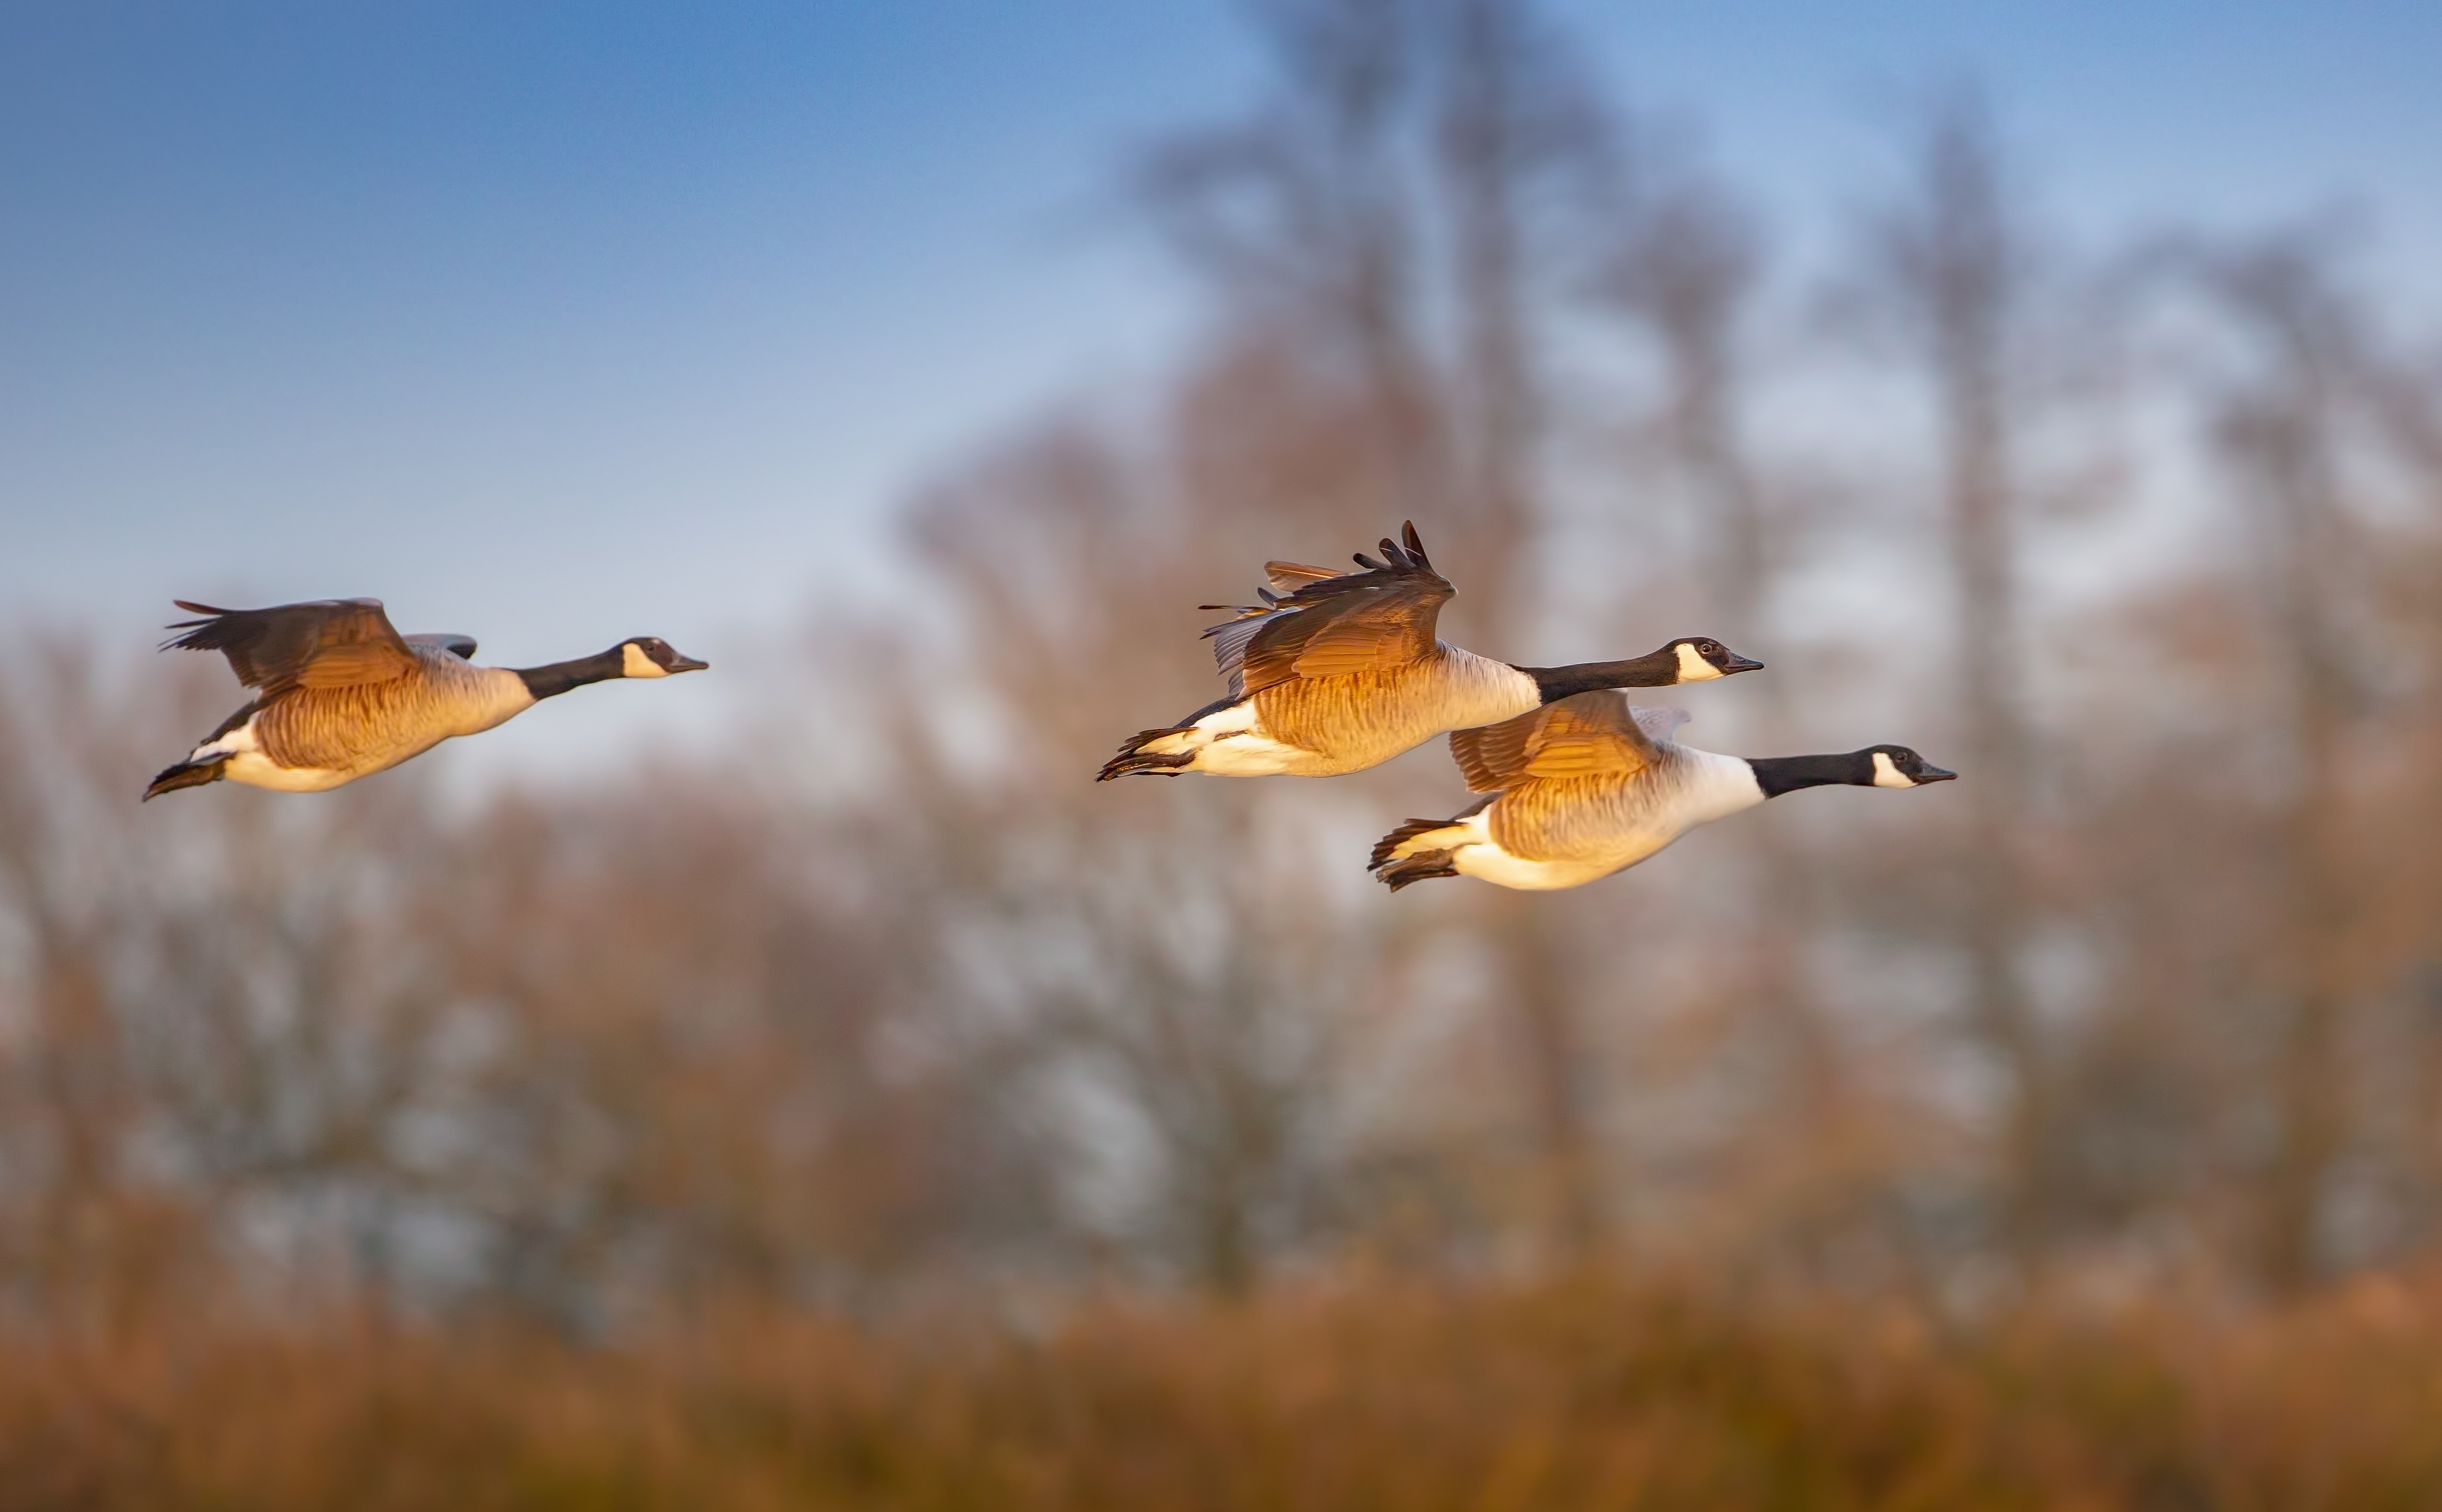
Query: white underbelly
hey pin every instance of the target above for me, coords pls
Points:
(1490, 862)
(257, 770)
(1493, 865)
(1251, 755)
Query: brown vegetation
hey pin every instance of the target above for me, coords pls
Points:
(1378, 1393)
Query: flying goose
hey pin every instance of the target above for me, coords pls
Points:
(339, 694)
(1590, 786)
(1335, 672)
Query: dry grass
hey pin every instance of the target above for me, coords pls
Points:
(1590, 1394)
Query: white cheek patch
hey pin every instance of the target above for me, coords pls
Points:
(634, 663)
(1888, 776)
(1694, 668)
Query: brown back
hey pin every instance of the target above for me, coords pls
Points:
(1589, 734)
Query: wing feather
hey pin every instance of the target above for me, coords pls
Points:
(1329, 624)
(330, 643)
(1589, 734)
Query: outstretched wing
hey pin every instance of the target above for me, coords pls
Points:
(1592, 734)
(332, 643)
(460, 647)
(1327, 624)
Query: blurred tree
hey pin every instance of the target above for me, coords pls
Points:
(1947, 263)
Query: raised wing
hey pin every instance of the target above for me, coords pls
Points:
(1592, 734)
(1328, 624)
(460, 647)
(332, 643)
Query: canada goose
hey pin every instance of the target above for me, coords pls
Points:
(1336, 672)
(1590, 786)
(339, 694)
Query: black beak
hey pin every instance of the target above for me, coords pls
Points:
(1933, 774)
(686, 663)
(1740, 664)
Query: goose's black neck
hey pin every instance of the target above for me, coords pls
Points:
(558, 678)
(1655, 670)
(1780, 775)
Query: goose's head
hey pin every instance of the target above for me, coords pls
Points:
(1702, 658)
(1896, 766)
(651, 656)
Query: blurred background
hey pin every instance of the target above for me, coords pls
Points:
(806, 1071)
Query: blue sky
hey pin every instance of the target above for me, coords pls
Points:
(555, 322)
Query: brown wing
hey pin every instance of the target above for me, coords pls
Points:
(1584, 736)
(332, 643)
(1348, 622)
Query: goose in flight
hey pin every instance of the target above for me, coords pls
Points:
(1590, 786)
(340, 695)
(1335, 672)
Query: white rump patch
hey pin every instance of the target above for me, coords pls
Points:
(1458, 835)
(1231, 720)
(241, 739)
(1229, 743)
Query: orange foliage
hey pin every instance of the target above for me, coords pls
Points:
(1583, 1392)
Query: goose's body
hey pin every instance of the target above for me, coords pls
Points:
(341, 695)
(319, 738)
(1325, 726)
(1335, 672)
(1590, 786)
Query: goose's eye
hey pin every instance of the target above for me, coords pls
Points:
(1709, 647)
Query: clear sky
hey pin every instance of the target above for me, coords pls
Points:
(555, 322)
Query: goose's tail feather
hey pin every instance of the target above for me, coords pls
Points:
(1419, 850)
(187, 775)
(1422, 849)
(1133, 757)
(1394, 845)
(1422, 865)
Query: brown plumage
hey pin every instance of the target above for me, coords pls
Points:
(1335, 672)
(340, 694)
(1593, 734)
(1587, 786)
(1332, 624)
(329, 643)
